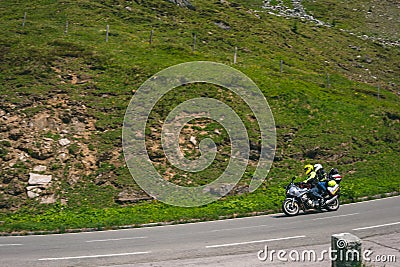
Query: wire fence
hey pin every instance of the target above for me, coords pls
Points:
(328, 81)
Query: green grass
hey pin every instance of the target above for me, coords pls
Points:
(343, 125)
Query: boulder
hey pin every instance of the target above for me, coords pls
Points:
(193, 140)
(39, 168)
(32, 194)
(64, 142)
(39, 179)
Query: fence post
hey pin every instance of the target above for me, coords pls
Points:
(66, 28)
(194, 42)
(107, 29)
(328, 80)
(151, 37)
(379, 91)
(346, 250)
(23, 21)
(235, 56)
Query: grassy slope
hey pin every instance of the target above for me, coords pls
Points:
(373, 18)
(343, 126)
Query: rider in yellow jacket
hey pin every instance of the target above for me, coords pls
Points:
(312, 179)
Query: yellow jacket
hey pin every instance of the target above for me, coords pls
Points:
(312, 175)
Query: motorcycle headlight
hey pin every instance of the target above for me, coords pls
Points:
(292, 191)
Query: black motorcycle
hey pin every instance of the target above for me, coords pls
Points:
(298, 196)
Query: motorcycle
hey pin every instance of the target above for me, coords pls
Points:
(298, 196)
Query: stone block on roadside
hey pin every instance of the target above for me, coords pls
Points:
(346, 250)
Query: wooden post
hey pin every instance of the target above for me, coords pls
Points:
(151, 37)
(379, 91)
(194, 42)
(235, 56)
(107, 29)
(66, 28)
(23, 21)
(281, 66)
(346, 250)
(328, 81)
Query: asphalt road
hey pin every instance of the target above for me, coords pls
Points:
(205, 243)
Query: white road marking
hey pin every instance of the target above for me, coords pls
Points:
(255, 241)
(336, 216)
(115, 239)
(375, 226)
(94, 256)
(239, 228)
(6, 245)
(366, 201)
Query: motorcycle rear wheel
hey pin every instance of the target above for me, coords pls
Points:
(290, 207)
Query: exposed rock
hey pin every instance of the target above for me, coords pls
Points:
(39, 179)
(183, 3)
(15, 189)
(193, 140)
(32, 194)
(35, 188)
(63, 156)
(64, 142)
(219, 189)
(43, 121)
(28, 142)
(298, 11)
(15, 134)
(100, 180)
(39, 168)
(130, 197)
(23, 156)
(37, 150)
(222, 25)
(48, 199)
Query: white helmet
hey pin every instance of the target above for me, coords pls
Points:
(317, 167)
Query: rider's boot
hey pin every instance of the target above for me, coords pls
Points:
(321, 203)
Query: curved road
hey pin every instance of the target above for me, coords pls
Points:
(233, 242)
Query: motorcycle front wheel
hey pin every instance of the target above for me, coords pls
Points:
(290, 207)
(334, 205)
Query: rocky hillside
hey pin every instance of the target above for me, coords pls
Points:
(39, 139)
(65, 87)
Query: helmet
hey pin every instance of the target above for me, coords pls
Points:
(318, 167)
(308, 169)
(331, 183)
